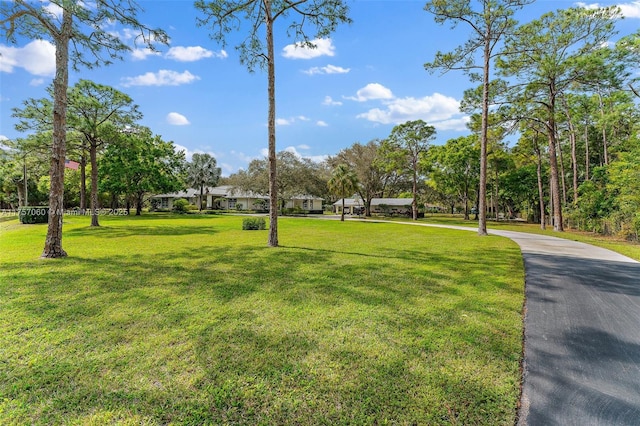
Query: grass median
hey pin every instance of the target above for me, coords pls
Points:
(190, 320)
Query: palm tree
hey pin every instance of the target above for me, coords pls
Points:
(201, 172)
(343, 182)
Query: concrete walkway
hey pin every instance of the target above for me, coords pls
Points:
(582, 333)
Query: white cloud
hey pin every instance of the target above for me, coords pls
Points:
(283, 122)
(629, 10)
(36, 82)
(303, 146)
(442, 112)
(37, 58)
(3, 138)
(314, 158)
(329, 69)
(323, 47)
(289, 121)
(193, 53)
(54, 10)
(142, 54)
(177, 119)
(161, 78)
(330, 102)
(370, 92)
(321, 123)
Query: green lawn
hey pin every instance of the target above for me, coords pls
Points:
(190, 320)
(627, 248)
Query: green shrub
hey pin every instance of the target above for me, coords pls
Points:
(254, 223)
(180, 205)
(33, 214)
(294, 211)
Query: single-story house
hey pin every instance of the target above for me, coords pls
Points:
(226, 197)
(378, 205)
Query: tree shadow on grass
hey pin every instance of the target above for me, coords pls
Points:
(267, 335)
(112, 231)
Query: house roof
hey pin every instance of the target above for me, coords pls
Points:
(226, 191)
(396, 202)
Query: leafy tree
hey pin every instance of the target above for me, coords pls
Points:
(343, 182)
(81, 37)
(36, 116)
(491, 21)
(455, 169)
(224, 16)
(202, 171)
(404, 150)
(544, 57)
(363, 160)
(624, 182)
(99, 113)
(297, 176)
(140, 164)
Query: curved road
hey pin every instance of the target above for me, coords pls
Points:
(581, 333)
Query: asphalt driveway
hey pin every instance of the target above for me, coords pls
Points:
(582, 334)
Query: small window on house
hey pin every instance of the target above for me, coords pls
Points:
(305, 204)
(164, 203)
(232, 203)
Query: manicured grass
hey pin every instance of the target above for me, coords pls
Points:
(190, 320)
(627, 248)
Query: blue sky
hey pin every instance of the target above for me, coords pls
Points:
(354, 87)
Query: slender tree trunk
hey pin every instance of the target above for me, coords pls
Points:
(53, 240)
(139, 200)
(414, 202)
(482, 193)
(543, 219)
(273, 183)
(93, 157)
(553, 161)
(342, 215)
(574, 155)
(605, 144)
(83, 182)
(562, 174)
(587, 161)
(25, 181)
(201, 195)
(496, 207)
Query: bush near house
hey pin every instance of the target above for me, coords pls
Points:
(180, 205)
(254, 223)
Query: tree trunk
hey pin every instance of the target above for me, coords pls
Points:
(25, 181)
(342, 215)
(414, 202)
(543, 219)
(496, 200)
(273, 183)
(605, 143)
(574, 155)
(587, 161)
(139, 200)
(562, 174)
(93, 157)
(482, 193)
(555, 181)
(53, 240)
(83, 182)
